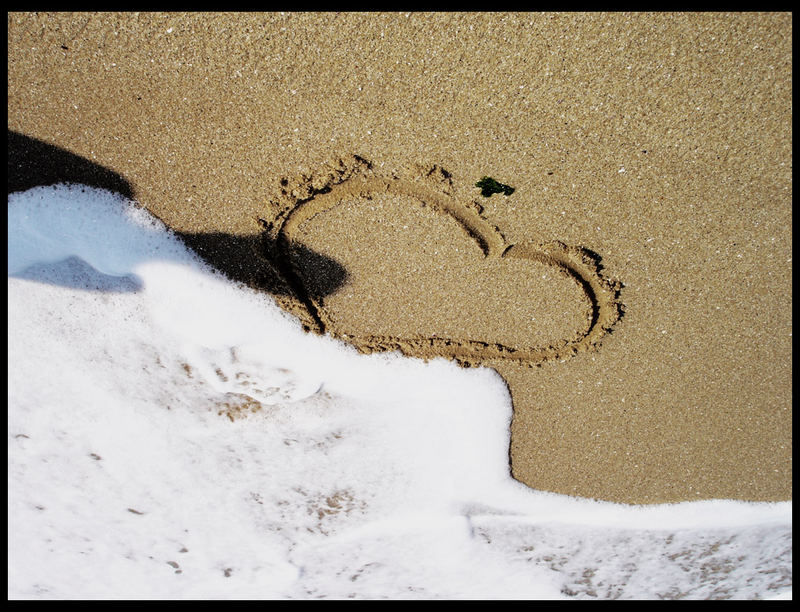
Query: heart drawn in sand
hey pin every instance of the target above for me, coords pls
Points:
(430, 276)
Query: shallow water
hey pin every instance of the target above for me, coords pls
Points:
(174, 435)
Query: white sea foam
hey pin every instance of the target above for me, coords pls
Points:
(360, 476)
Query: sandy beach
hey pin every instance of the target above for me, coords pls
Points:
(634, 290)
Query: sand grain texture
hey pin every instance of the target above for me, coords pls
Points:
(660, 143)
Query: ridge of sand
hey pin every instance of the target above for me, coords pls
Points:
(311, 195)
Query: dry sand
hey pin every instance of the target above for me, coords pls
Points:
(331, 159)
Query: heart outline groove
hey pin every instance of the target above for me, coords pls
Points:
(310, 195)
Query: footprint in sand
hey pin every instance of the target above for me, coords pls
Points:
(428, 275)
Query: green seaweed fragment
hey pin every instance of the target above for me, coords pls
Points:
(489, 186)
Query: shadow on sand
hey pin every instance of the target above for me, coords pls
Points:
(33, 163)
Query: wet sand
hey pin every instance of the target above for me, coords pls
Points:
(634, 290)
